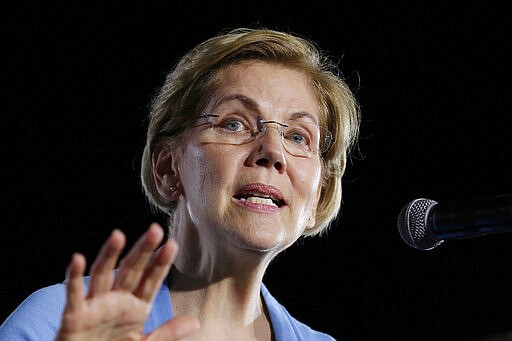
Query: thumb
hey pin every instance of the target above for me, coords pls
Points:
(175, 329)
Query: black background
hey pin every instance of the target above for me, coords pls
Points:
(434, 85)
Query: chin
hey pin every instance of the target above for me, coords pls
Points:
(260, 239)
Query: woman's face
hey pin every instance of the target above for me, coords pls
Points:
(255, 195)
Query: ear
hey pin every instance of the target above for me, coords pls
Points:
(166, 173)
(312, 218)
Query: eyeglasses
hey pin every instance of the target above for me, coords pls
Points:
(300, 137)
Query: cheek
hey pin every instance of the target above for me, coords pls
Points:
(310, 177)
(208, 176)
(205, 170)
(312, 187)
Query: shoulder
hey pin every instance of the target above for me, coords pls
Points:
(285, 326)
(37, 317)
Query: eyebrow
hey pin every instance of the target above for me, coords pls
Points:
(252, 104)
(246, 101)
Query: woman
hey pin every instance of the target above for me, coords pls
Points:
(246, 146)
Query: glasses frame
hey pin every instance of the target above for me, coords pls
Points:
(324, 143)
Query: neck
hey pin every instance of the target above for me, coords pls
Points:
(224, 301)
(220, 285)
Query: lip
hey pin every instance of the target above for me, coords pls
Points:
(262, 190)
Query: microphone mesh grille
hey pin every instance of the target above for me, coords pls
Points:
(412, 225)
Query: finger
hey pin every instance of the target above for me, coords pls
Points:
(74, 283)
(102, 276)
(175, 329)
(134, 264)
(157, 270)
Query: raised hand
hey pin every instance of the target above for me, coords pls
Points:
(118, 303)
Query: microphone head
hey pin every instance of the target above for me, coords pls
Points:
(413, 225)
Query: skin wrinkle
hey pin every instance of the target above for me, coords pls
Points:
(225, 246)
(225, 241)
(252, 105)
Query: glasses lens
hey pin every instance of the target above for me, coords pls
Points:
(304, 138)
(300, 137)
(326, 139)
(231, 128)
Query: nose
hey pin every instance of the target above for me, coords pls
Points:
(269, 150)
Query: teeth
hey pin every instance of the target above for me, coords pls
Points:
(258, 200)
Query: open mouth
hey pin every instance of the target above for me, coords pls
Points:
(260, 194)
(263, 199)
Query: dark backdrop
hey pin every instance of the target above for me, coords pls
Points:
(434, 86)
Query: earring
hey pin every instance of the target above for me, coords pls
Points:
(175, 187)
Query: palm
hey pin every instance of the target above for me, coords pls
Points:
(113, 316)
(118, 303)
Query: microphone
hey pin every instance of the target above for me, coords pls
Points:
(425, 224)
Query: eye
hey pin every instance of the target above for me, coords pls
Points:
(298, 136)
(232, 125)
(235, 123)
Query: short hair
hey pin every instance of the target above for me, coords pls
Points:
(189, 86)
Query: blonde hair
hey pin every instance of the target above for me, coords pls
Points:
(190, 84)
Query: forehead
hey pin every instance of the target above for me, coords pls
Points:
(273, 89)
